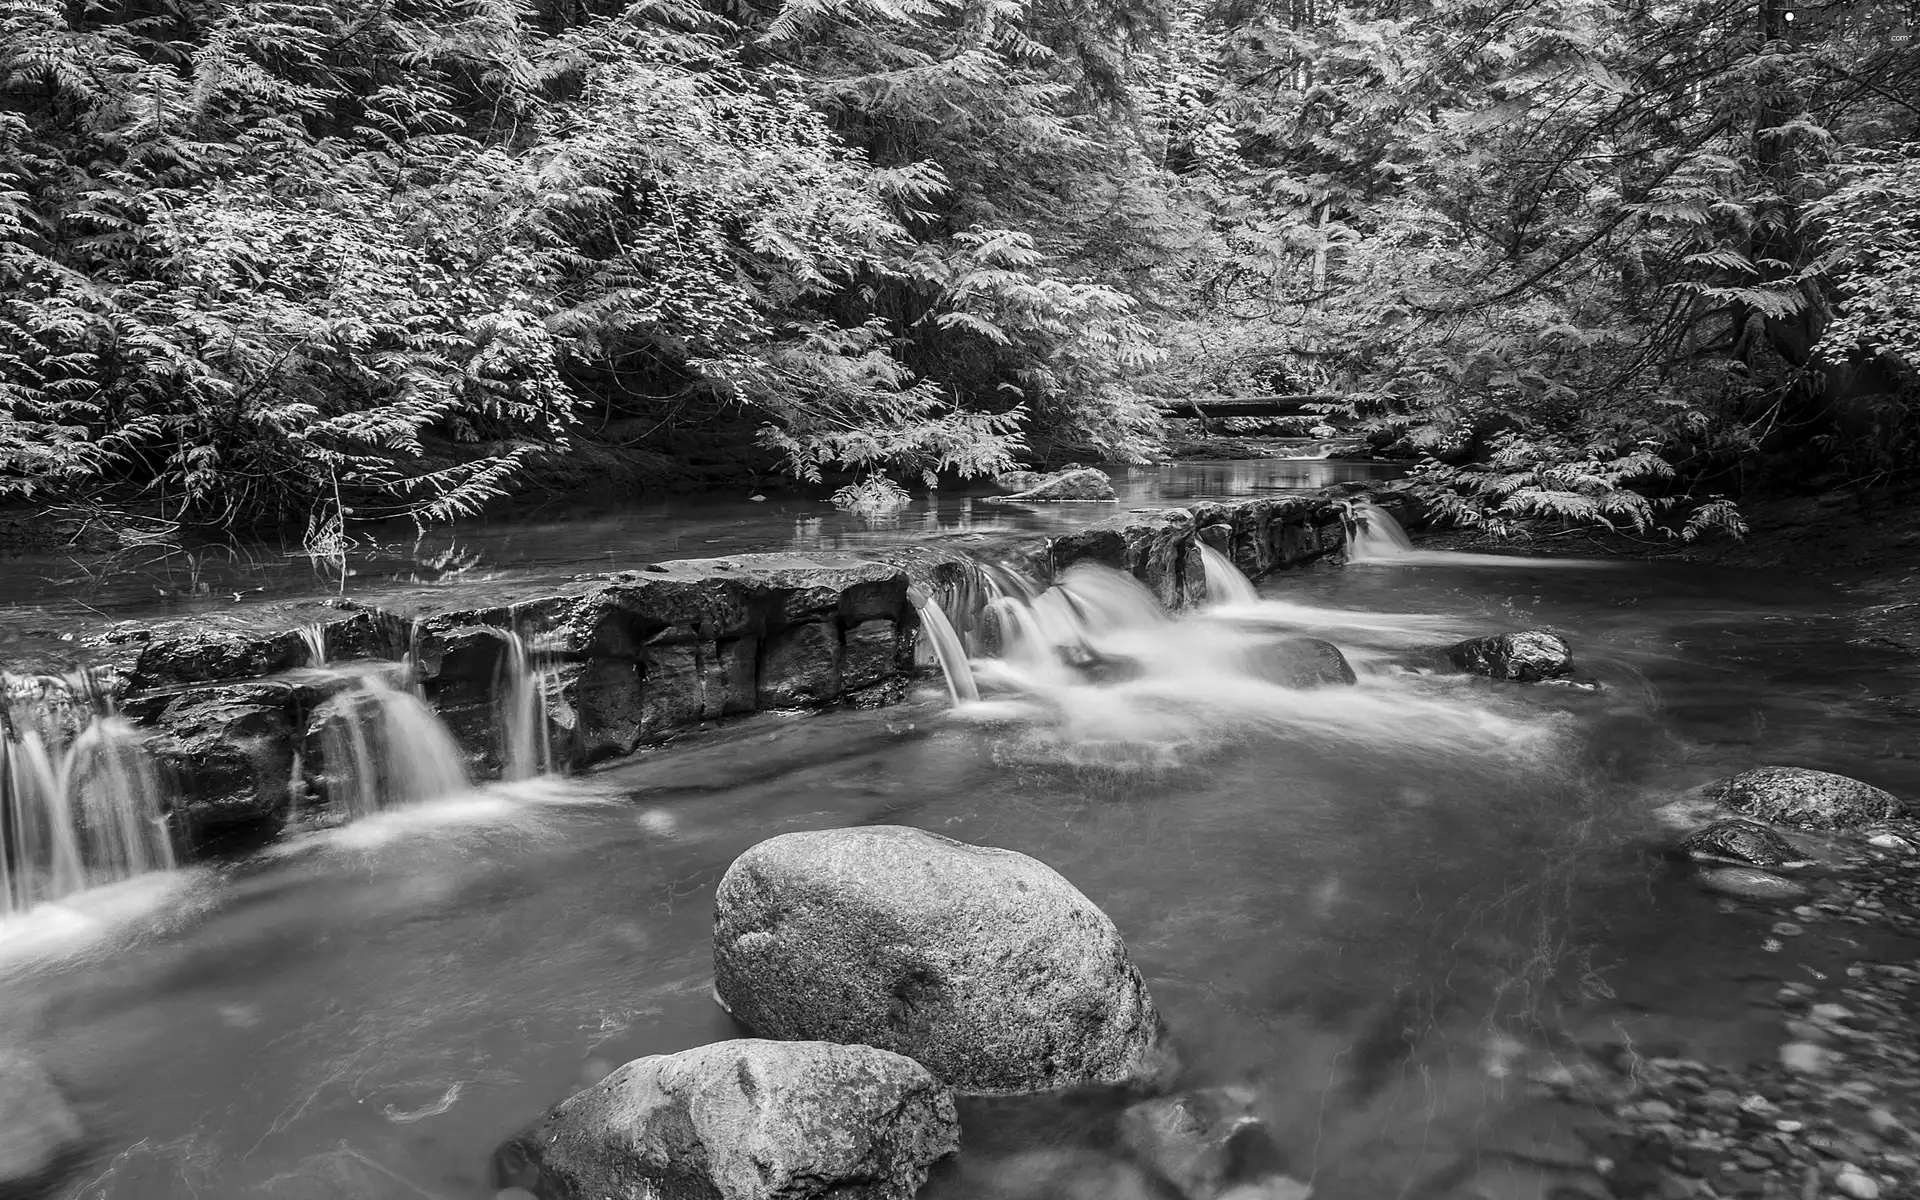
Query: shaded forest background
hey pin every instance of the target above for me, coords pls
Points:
(314, 262)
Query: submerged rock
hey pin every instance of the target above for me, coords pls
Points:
(1527, 656)
(1302, 662)
(1806, 799)
(743, 1120)
(983, 964)
(1203, 1142)
(1750, 884)
(37, 1128)
(1082, 483)
(1740, 841)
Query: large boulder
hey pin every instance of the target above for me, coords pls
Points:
(742, 1120)
(1301, 662)
(1805, 799)
(1739, 841)
(38, 1131)
(1526, 657)
(983, 964)
(1081, 483)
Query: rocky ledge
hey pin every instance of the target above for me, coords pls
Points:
(629, 658)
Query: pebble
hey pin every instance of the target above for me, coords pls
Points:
(1857, 1184)
(1787, 929)
(1805, 1058)
(1830, 1012)
(1649, 1110)
(1889, 841)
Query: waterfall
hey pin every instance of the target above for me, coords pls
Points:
(947, 649)
(521, 685)
(1373, 535)
(314, 638)
(79, 807)
(384, 746)
(1225, 583)
(1094, 674)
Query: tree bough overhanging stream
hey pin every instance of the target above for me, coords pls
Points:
(1387, 907)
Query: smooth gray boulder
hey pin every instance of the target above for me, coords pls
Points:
(37, 1128)
(1080, 483)
(1302, 662)
(1805, 799)
(742, 1120)
(982, 964)
(1525, 657)
(1740, 841)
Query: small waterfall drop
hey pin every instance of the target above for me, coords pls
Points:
(314, 638)
(521, 685)
(80, 801)
(384, 746)
(1373, 535)
(947, 649)
(1225, 583)
(1093, 673)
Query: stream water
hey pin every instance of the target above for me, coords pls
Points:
(531, 541)
(1376, 904)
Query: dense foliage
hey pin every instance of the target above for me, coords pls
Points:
(312, 260)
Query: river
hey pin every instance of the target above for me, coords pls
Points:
(1381, 907)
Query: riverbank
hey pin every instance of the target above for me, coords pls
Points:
(1865, 542)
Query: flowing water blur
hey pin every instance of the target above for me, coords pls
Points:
(81, 804)
(1375, 903)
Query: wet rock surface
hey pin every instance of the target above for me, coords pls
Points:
(1805, 798)
(1525, 657)
(1074, 483)
(1737, 841)
(742, 1120)
(1303, 663)
(1750, 884)
(982, 964)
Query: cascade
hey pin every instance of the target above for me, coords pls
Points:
(1373, 535)
(385, 746)
(947, 649)
(314, 638)
(80, 801)
(520, 683)
(1225, 583)
(1096, 674)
